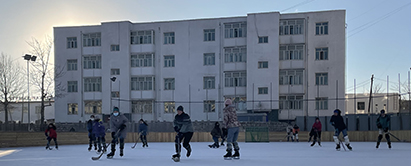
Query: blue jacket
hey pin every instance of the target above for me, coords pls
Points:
(142, 128)
(98, 128)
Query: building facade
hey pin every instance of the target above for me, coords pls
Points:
(18, 111)
(293, 64)
(359, 103)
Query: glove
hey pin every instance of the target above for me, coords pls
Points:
(386, 129)
(176, 129)
(122, 127)
(379, 125)
(46, 134)
(113, 135)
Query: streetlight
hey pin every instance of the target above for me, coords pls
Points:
(28, 57)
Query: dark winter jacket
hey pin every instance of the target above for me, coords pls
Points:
(116, 122)
(216, 132)
(230, 117)
(296, 129)
(383, 122)
(338, 122)
(98, 128)
(51, 131)
(90, 127)
(317, 126)
(182, 123)
(142, 128)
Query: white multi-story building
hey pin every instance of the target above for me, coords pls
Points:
(293, 64)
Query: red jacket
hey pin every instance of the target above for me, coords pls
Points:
(317, 126)
(51, 132)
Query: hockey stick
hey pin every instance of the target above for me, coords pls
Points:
(139, 136)
(396, 137)
(342, 144)
(106, 145)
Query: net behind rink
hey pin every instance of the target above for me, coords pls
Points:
(256, 134)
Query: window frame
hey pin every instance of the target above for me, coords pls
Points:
(235, 79)
(70, 109)
(263, 90)
(169, 84)
(206, 80)
(235, 54)
(92, 84)
(321, 103)
(169, 38)
(291, 52)
(235, 30)
(321, 79)
(169, 105)
(142, 106)
(263, 64)
(142, 60)
(208, 106)
(94, 62)
(92, 106)
(142, 37)
(71, 44)
(92, 39)
(114, 47)
(291, 77)
(291, 102)
(169, 61)
(323, 56)
(142, 83)
(321, 28)
(72, 66)
(262, 39)
(72, 86)
(208, 59)
(209, 35)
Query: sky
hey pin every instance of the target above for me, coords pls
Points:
(378, 31)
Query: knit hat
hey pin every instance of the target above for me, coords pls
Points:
(91, 116)
(116, 109)
(383, 111)
(180, 108)
(337, 111)
(228, 102)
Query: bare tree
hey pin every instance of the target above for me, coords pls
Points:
(11, 84)
(378, 88)
(44, 72)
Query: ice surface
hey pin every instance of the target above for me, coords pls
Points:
(252, 154)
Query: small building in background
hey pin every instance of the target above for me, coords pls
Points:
(359, 103)
(18, 112)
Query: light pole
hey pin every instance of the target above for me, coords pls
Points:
(28, 57)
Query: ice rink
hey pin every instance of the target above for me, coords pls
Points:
(252, 154)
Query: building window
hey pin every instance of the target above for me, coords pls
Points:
(142, 106)
(92, 84)
(235, 30)
(291, 77)
(169, 107)
(92, 62)
(72, 109)
(142, 83)
(92, 39)
(92, 107)
(72, 42)
(72, 86)
(235, 79)
(321, 103)
(263, 39)
(263, 65)
(209, 82)
(263, 90)
(71, 64)
(169, 61)
(291, 27)
(115, 94)
(115, 71)
(115, 47)
(169, 84)
(209, 105)
(321, 78)
(291, 52)
(209, 59)
(321, 54)
(321, 28)
(360, 105)
(292, 102)
(209, 34)
(235, 54)
(142, 60)
(169, 38)
(142, 37)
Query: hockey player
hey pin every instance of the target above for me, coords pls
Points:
(383, 123)
(118, 131)
(216, 133)
(233, 127)
(51, 134)
(91, 137)
(142, 129)
(296, 129)
(338, 122)
(289, 131)
(317, 131)
(99, 133)
(184, 129)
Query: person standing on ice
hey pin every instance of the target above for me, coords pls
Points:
(383, 123)
(317, 131)
(338, 122)
(99, 132)
(216, 133)
(51, 134)
(233, 127)
(118, 131)
(91, 136)
(142, 129)
(289, 131)
(184, 128)
(296, 129)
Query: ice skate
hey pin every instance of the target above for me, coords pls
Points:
(176, 157)
(110, 155)
(236, 155)
(348, 146)
(338, 147)
(228, 156)
(121, 153)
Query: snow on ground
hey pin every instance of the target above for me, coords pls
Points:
(254, 154)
